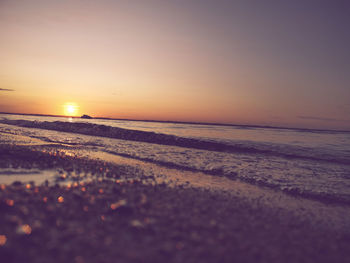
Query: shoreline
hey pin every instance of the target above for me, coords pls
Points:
(127, 213)
(190, 123)
(90, 145)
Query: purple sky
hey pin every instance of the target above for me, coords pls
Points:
(251, 62)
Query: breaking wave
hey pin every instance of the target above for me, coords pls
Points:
(247, 147)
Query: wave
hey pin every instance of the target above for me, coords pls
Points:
(252, 162)
(280, 150)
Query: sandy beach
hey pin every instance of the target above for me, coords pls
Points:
(174, 131)
(93, 210)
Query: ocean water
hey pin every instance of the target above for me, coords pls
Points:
(307, 163)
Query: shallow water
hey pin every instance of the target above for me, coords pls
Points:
(303, 162)
(11, 175)
(327, 216)
(326, 145)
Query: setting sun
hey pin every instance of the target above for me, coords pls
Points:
(70, 109)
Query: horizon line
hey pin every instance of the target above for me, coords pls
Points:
(179, 122)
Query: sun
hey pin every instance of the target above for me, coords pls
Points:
(70, 109)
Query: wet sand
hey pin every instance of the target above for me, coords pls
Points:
(115, 210)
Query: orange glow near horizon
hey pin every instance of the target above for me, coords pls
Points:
(70, 109)
(177, 61)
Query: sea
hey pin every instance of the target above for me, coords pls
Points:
(302, 162)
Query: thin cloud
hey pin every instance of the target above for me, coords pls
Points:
(7, 89)
(320, 119)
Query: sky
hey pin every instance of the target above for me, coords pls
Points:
(281, 63)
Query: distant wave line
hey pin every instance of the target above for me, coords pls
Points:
(162, 139)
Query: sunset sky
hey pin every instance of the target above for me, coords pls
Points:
(284, 63)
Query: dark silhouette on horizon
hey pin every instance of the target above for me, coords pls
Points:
(7, 89)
